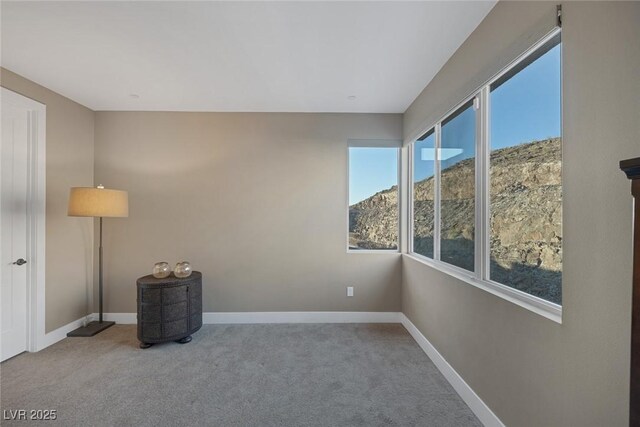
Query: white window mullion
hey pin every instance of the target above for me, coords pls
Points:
(479, 196)
(485, 197)
(436, 195)
(409, 203)
(400, 198)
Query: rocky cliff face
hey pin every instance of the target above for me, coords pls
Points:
(526, 215)
(373, 222)
(526, 218)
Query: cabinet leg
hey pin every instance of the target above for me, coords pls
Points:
(184, 340)
(144, 345)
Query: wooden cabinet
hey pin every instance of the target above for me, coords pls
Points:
(169, 309)
(632, 168)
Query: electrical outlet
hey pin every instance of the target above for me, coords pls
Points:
(349, 291)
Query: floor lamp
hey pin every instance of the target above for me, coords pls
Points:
(97, 202)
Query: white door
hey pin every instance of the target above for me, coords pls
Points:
(13, 219)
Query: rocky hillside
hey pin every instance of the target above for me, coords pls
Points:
(526, 213)
(373, 222)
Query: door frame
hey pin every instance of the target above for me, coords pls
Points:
(36, 215)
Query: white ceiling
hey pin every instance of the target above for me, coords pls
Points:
(236, 56)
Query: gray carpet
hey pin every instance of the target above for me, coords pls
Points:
(238, 375)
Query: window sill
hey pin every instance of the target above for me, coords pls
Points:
(537, 305)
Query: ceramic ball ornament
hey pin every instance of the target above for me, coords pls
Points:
(182, 269)
(161, 270)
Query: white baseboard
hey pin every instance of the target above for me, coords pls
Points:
(60, 333)
(479, 408)
(302, 317)
(216, 318)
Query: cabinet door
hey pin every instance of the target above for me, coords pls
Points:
(176, 328)
(175, 311)
(196, 321)
(174, 294)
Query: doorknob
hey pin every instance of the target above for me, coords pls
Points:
(20, 261)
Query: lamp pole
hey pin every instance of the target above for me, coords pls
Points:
(100, 272)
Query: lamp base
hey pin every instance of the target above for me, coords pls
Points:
(91, 329)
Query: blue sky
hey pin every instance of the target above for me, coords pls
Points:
(371, 170)
(526, 108)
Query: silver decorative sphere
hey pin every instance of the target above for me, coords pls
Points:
(161, 270)
(183, 269)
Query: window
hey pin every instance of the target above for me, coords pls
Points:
(457, 188)
(525, 180)
(373, 198)
(486, 184)
(424, 186)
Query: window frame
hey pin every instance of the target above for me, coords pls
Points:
(436, 194)
(480, 276)
(376, 143)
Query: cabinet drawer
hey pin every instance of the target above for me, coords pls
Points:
(174, 294)
(151, 296)
(175, 311)
(150, 313)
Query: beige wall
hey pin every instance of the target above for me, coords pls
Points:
(530, 370)
(257, 202)
(69, 241)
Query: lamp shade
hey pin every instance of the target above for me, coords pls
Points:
(89, 201)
